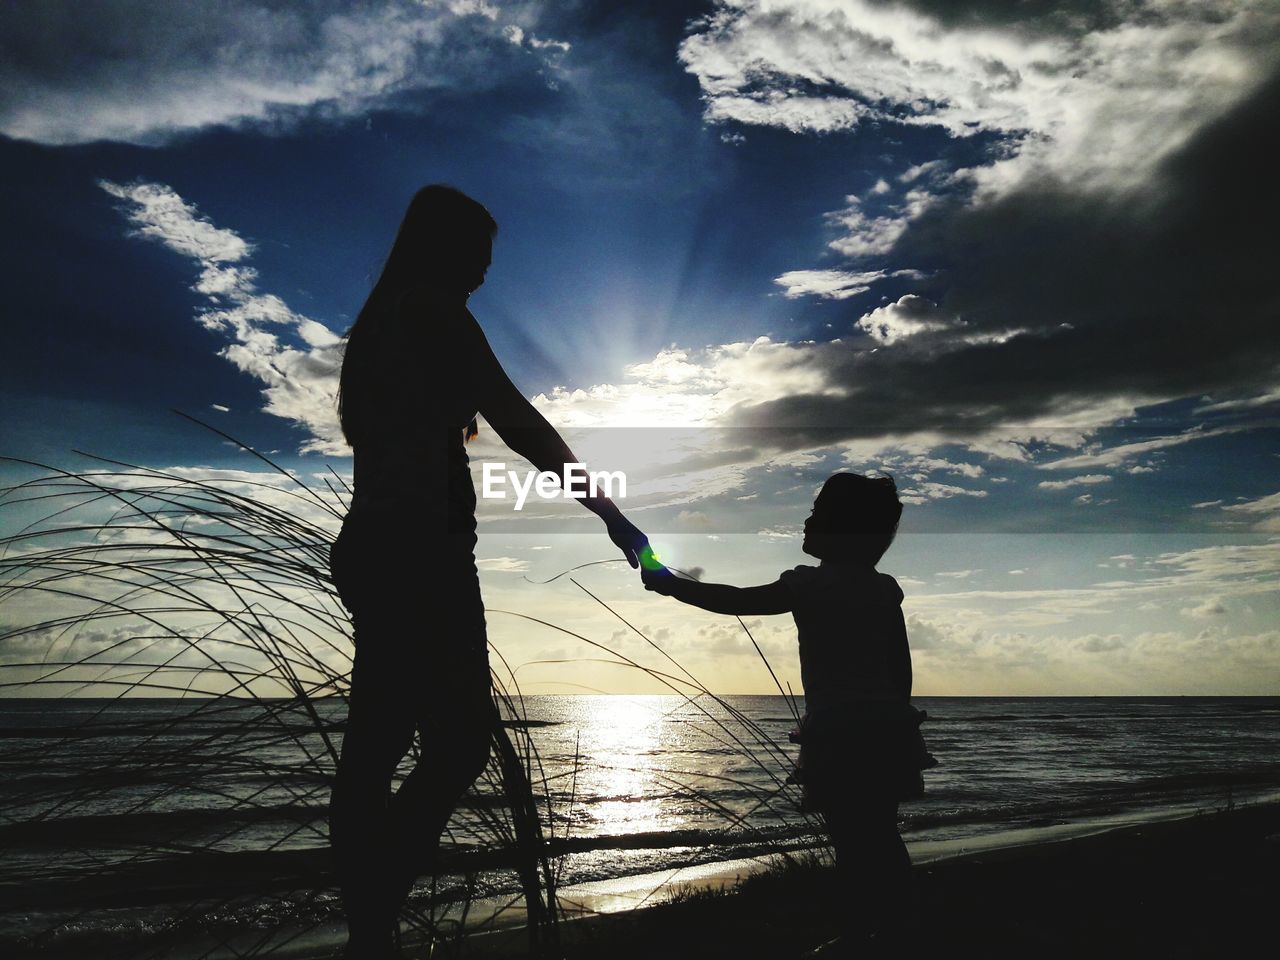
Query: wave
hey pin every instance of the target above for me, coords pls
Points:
(1096, 718)
(149, 825)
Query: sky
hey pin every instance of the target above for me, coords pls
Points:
(1018, 255)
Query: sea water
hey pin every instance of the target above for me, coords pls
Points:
(113, 811)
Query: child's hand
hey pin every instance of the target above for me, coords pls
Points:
(658, 579)
(655, 576)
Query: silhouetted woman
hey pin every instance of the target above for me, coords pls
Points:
(416, 371)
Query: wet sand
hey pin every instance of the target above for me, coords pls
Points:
(1204, 886)
(1198, 886)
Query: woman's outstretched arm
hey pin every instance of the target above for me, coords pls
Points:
(529, 434)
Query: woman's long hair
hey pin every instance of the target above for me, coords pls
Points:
(438, 246)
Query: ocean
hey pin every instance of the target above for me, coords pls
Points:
(122, 820)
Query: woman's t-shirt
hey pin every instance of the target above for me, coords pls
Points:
(853, 640)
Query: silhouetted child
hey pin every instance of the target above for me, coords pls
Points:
(860, 745)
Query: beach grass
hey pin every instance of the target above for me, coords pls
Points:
(217, 591)
(213, 589)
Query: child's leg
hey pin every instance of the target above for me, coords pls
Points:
(872, 863)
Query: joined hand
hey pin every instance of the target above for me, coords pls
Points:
(655, 576)
(628, 538)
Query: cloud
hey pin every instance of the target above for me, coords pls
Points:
(1088, 498)
(1265, 512)
(933, 464)
(684, 387)
(143, 71)
(1086, 479)
(1098, 250)
(1213, 607)
(1117, 455)
(692, 518)
(866, 235)
(1094, 643)
(910, 316)
(301, 376)
(502, 565)
(1094, 93)
(269, 488)
(924, 492)
(827, 284)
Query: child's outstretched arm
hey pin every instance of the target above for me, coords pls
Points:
(763, 600)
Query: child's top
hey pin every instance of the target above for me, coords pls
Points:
(853, 641)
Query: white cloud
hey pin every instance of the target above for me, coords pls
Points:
(1084, 480)
(1088, 498)
(1116, 456)
(799, 114)
(141, 72)
(1097, 104)
(1266, 510)
(1212, 607)
(924, 492)
(909, 316)
(1249, 566)
(1266, 398)
(692, 518)
(300, 378)
(691, 388)
(925, 323)
(971, 470)
(866, 235)
(1267, 504)
(502, 565)
(828, 284)
(1094, 643)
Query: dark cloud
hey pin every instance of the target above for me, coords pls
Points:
(1154, 293)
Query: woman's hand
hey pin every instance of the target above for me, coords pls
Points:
(626, 536)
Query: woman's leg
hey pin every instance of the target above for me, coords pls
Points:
(455, 717)
(380, 725)
(454, 754)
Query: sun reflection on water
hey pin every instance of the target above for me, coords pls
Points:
(623, 734)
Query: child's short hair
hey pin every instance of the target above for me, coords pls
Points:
(855, 518)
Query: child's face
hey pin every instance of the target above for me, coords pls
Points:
(818, 541)
(810, 543)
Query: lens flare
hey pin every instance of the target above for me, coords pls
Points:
(649, 560)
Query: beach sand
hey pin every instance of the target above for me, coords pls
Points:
(1196, 886)
(1204, 886)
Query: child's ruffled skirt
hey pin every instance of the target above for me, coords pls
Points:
(868, 747)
